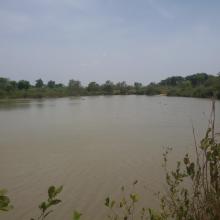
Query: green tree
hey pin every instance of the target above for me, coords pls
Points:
(59, 85)
(51, 84)
(39, 83)
(122, 87)
(138, 88)
(108, 87)
(74, 87)
(23, 84)
(197, 79)
(172, 81)
(13, 84)
(3, 83)
(93, 87)
(152, 89)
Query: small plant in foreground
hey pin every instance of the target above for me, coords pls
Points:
(45, 207)
(193, 187)
(125, 208)
(4, 201)
(76, 215)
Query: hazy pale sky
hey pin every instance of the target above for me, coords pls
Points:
(132, 40)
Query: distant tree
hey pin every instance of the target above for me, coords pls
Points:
(172, 81)
(13, 84)
(186, 84)
(108, 87)
(197, 79)
(138, 88)
(152, 89)
(23, 84)
(59, 85)
(122, 87)
(93, 87)
(74, 87)
(51, 84)
(137, 85)
(39, 83)
(3, 83)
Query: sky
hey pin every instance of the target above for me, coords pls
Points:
(98, 40)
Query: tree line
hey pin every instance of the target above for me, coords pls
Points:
(196, 85)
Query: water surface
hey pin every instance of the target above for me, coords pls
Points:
(92, 146)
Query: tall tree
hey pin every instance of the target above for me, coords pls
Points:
(51, 84)
(108, 87)
(122, 87)
(23, 84)
(74, 87)
(39, 83)
(93, 87)
(3, 83)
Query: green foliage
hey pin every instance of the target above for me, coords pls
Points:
(39, 83)
(172, 81)
(76, 215)
(122, 87)
(138, 87)
(196, 85)
(152, 89)
(45, 207)
(192, 188)
(93, 88)
(23, 84)
(125, 207)
(74, 87)
(4, 201)
(108, 87)
(51, 84)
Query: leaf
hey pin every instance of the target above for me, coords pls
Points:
(134, 197)
(59, 189)
(55, 202)
(51, 192)
(107, 201)
(43, 206)
(3, 192)
(76, 215)
(4, 200)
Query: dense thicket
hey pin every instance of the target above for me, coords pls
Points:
(196, 85)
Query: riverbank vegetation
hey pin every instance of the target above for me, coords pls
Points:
(197, 85)
(192, 188)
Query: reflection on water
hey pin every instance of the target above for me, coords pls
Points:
(14, 104)
(92, 145)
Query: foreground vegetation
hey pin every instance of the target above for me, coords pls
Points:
(192, 188)
(196, 85)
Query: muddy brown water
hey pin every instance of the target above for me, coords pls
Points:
(92, 146)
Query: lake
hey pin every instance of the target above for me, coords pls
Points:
(92, 146)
